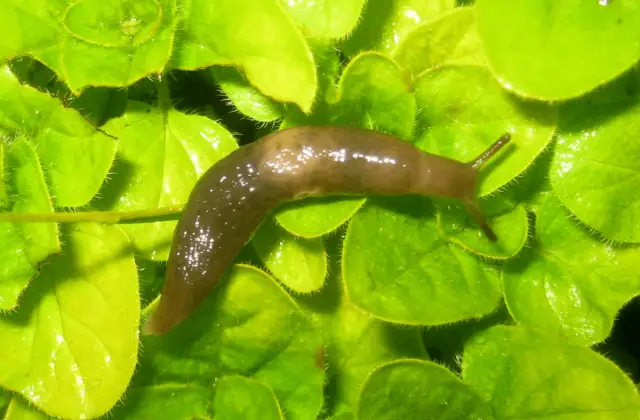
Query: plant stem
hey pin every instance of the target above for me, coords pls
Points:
(109, 217)
(164, 94)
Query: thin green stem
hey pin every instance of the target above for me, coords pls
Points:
(164, 94)
(108, 217)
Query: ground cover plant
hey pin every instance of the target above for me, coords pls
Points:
(343, 308)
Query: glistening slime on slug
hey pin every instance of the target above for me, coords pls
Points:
(232, 198)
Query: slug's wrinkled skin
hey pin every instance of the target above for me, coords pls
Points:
(231, 199)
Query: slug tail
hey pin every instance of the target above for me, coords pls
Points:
(485, 156)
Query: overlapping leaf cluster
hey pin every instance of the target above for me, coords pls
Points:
(331, 322)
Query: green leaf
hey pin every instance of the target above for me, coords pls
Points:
(525, 373)
(257, 37)
(3, 176)
(330, 63)
(363, 102)
(248, 326)
(96, 104)
(464, 110)
(568, 281)
(32, 72)
(151, 280)
(91, 42)
(239, 398)
(70, 348)
(166, 401)
(596, 167)
(451, 38)
(355, 343)
(397, 267)
(299, 263)
(75, 157)
(532, 187)
(407, 389)
(445, 343)
(316, 216)
(5, 398)
(250, 102)
(386, 23)
(161, 155)
(509, 222)
(556, 50)
(99, 104)
(246, 98)
(19, 410)
(342, 416)
(326, 19)
(25, 246)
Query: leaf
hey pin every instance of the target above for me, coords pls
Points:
(151, 280)
(75, 157)
(342, 416)
(246, 98)
(464, 110)
(31, 72)
(569, 282)
(255, 105)
(509, 222)
(3, 177)
(70, 349)
(19, 410)
(5, 398)
(355, 342)
(299, 263)
(330, 64)
(161, 155)
(316, 216)
(247, 399)
(99, 104)
(96, 104)
(531, 188)
(326, 19)
(91, 42)
(556, 50)
(24, 245)
(249, 326)
(451, 38)
(416, 389)
(596, 166)
(525, 373)
(386, 23)
(446, 343)
(362, 102)
(257, 37)
(398, 268)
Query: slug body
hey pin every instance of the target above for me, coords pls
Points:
(231, 199)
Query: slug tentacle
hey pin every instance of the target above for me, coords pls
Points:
(474, 210)
(481, 160)
(470, 202)
(232, 198)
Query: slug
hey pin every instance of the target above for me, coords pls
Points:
(229, 202)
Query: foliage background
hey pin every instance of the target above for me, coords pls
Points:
(368, 308)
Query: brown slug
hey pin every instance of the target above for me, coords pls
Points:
(229, 202)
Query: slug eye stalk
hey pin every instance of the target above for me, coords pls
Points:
(471, 203)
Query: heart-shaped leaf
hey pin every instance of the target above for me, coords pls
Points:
(416, 389)
(71, 347)
(555, 50)
(525, 373)
(161, 155)
(569, 281)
